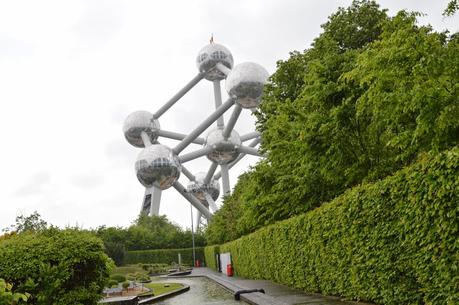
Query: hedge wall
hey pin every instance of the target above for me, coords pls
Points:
(164, 256)
(209, 254)
(391, 242)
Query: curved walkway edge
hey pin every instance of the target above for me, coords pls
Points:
(275, 294)
(151, 300)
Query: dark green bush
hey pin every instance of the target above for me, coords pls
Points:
(56, 267)
(164, 256)
(118, 277)
(391, 242)
(113, 283)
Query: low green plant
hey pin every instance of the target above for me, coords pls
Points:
(125, 285)
(164, 256)
(8, 297)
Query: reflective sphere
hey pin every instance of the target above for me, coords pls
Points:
(245, 84)
(198, 188)
(137, 122)
(223, 152)
(211, 55)
(158, 166)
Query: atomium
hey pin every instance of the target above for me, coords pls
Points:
(211, 55)
(158, 167)
(245, 84)
(138, 122)
(224, 150)
(199, 188)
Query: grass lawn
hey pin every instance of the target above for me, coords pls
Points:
(158, 288)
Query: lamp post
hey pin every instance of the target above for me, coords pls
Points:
(192, 236)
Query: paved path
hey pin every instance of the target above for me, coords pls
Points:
(275, 294)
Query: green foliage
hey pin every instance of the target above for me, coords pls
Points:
(164, 256)
(118, 278)
(453, 7)
(210, 253)
(147, 232)
(390, 242)
(7, 297)
(55, 266)
(113, 283)
(371, 94)
(125, 285)
(32, 223)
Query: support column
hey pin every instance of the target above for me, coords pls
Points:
(225, 179)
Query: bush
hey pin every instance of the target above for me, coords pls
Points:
(9, 297)
(118, 278)
(125, 285)
(391, 242)
(164, 256)
(56, 267)
(113, 283)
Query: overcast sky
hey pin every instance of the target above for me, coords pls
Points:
(71, 71)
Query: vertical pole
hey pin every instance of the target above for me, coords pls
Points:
(218, 102)
(225, 179)
(192, 236)
(155, 201)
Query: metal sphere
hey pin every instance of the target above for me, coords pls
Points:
(198, 188)
(224, 151)
(245, 84)
(157, 165)
(137, 122)
(209, 57)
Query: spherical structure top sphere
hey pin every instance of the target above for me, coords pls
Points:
(224, 151)
(245, 84)
(209, 57)
(198, 188)
(137, 122)
(157, 165)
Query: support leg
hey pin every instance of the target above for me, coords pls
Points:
(225, 179)
(218, 102)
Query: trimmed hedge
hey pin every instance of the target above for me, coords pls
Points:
(209, 254)
(164, 256)
(391, 242)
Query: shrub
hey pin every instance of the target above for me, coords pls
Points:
(210, 252)
(163, 256)
(9, 297)
(118, 278)
(391, 242)
(113, 283)
(125, 285)
(56, 267)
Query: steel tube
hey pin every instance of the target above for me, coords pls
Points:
(250, 136)
(232, 121)
(225, 179)
(252, 144)
(224, 69)
(195, 202)
(248, 150)
(203, 126)
(178, 136)
(145, 139)
(178, 95)
(188, 174)
(218, 102)
(210, 172)
(211, 203)
(195, 154)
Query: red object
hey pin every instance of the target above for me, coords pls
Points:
(197, 263)
(229, 270)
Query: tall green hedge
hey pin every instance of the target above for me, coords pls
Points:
(209, 254)
(164, 256)
(391, 242)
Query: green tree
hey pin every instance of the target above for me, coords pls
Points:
(33, 223)
(370, 95)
